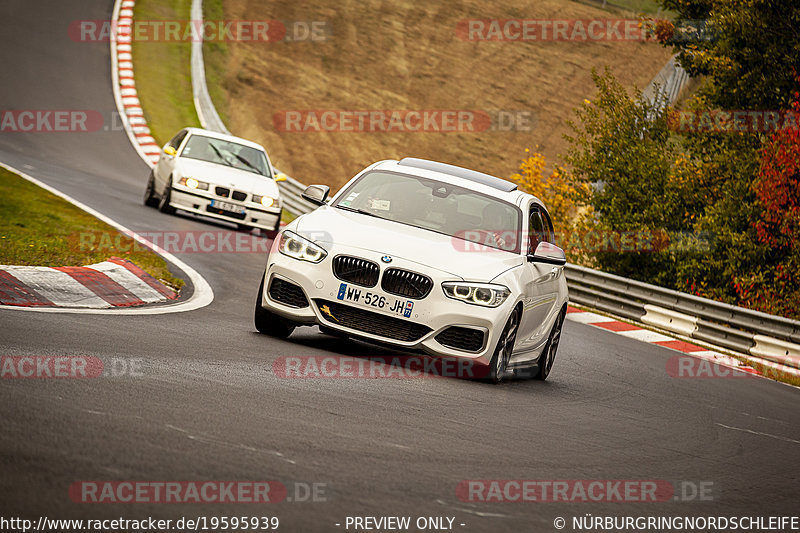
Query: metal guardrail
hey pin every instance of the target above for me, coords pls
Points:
(291, 189)
(206, 112)
(666, 87)
(707, 320)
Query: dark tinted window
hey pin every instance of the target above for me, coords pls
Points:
(548, 227)
(536, 229)
(178, 139)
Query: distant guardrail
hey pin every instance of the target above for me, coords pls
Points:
(770, 337)
(668, 84)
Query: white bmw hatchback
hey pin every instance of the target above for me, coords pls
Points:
(219, 176)
(425, 256)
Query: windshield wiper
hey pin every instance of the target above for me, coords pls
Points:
(248, 163)
(359, 211)
(227, 163)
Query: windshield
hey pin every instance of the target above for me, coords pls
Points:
(226, 153)
(435, 206)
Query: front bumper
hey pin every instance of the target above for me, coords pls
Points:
(428, 318)
(199, 202)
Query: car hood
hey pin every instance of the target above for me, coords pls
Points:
(228, 177)
(328, 225)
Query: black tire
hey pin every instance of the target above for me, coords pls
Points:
(150, 199)
(269, 323)
(505, 345)
(551, 349)
(278, 222)
(244, 227)
(166, 197)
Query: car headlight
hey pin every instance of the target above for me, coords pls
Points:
(485, 294)
(193, 183)
(298, 247)
(266, 201)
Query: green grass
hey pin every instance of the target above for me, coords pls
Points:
(287, 217)
(163, 72)
(38, 228)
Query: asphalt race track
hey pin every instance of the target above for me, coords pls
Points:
(207, 405)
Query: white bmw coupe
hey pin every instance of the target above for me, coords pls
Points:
(425, 256)
(219, 176)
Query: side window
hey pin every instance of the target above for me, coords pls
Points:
(178, 139)
(548, 227)
(535, 229)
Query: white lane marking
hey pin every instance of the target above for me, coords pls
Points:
(130, 281)
(645, 335)
(744, 430)
(234, 445)
(472, 511)
(203, 293)
(58, 287)
(589, 318)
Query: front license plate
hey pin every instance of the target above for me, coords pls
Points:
(374, 300)
(227, 206)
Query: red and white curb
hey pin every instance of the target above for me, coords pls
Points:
(112, 283)
(653, 337)
(125, 86)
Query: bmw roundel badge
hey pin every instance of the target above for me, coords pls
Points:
(386, 258)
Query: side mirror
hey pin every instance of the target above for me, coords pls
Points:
(316, 194)
(169, 150)
(548, 253)
(280, 176)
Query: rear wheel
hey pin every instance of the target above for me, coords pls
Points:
(150, 199)
(166, 198)
(549, 353)
(502, 352)
(269, 323)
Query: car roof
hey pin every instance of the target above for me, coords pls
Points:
(463, 177)
(224, 137)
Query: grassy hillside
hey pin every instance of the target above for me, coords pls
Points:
(406, 55)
